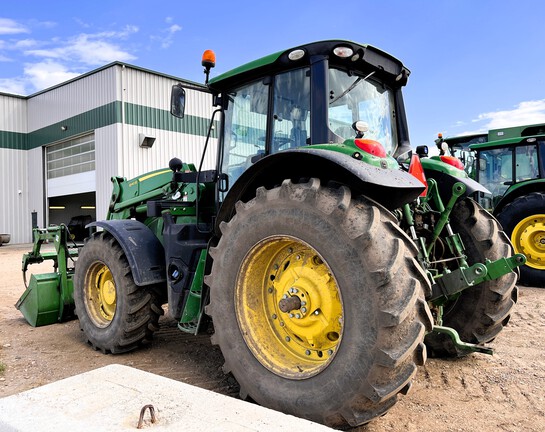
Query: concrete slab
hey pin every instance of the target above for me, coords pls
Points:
(111, 398)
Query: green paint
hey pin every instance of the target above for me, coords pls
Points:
(192, 314)
(523, 185)
(435, 163)
(103, 116)
(455, 337)
(349, 148)
(13, 140)
(264, 61)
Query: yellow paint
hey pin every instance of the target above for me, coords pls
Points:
(146, 177)
(528, 237)
(100, 294)
(296, 344)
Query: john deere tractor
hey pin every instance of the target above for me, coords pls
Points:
(510, 162)
(330, 258)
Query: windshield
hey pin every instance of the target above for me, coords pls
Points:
(358, 97)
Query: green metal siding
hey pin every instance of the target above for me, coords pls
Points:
(145, 116)
(13, 140)
(85, 122)
(105, 115)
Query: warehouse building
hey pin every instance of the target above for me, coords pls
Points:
(60, 147)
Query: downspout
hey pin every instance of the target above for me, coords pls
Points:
(121, 162)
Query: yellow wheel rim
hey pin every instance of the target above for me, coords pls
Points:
(528, 237)
(100, 294)
(289, 307)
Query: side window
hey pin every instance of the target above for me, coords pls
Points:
(245, 128)
(496, 170)
(291, 112)
(526, 163)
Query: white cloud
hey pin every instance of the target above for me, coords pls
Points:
(47, 73)
(9, 26)
(24, 44)
(167, 37)
(524, 113)
(13, 86)
(89, 49)
(527, 112)
(58, 59)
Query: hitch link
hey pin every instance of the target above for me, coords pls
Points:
(462, 278)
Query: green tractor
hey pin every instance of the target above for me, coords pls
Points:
(510, 162)
(330, 260)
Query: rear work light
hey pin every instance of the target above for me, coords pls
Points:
(343, 52)
(454, 161)
(371, 146)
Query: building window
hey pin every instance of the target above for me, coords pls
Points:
(71, 157)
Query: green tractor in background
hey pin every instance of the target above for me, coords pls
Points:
(510, 162)
(330, 258)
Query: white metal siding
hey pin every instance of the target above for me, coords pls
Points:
(36, 195)
(74, 98)
(147, 89)
(106, 165)
(135, 160)
(15, 217)
(13, 116)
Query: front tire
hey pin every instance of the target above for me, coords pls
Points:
(114, 313)
(318, 303)
(480, 312)
(524, 222)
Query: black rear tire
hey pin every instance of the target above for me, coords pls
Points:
(114, 313)
(312, 234)
(523, 220)
(481, 312)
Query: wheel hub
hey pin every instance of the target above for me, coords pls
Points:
(100, 294)
(528, 237)
(289, 307)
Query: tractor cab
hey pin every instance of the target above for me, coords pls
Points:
(504, 165)
(331, 92)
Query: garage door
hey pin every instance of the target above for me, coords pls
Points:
(71, 166)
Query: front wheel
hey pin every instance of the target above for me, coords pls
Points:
(318, 303)
(114, 313)
(524, 221)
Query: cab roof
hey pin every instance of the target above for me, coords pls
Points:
(364, 57)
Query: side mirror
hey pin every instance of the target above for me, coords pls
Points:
(177, 101)
(422, 150)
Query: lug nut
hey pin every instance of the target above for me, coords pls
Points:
(288, 338)
(304, 309)
(307, 352)
(298, 316)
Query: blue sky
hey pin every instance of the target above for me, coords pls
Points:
(476, 64)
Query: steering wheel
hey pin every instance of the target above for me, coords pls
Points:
(280, 143)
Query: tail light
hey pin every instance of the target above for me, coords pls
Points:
(454, 161)
(416, 169)
(371, 146)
